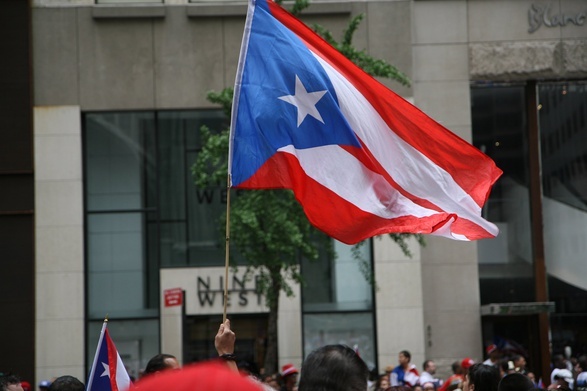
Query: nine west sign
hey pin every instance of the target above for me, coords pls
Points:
(544, 15)
(204, 290)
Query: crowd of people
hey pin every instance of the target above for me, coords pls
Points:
(497, 373)
(335, 368)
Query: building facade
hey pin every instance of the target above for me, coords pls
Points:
(118, 97)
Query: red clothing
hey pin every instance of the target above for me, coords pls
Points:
(451, 380)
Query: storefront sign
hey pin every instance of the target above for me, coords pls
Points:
(173, 297)
(531, 308)
(238, 293)
(542, 15)
(204, 290)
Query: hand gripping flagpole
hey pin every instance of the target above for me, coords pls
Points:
(227, 249)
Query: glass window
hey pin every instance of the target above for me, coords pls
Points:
(351, 329)
(337, 302)
(120, 161)
(499, 130)
(337, 284)
(563, 136)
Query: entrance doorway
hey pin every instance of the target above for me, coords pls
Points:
(251, 338)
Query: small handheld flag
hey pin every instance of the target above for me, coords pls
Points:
(360, 159)
(108, 372)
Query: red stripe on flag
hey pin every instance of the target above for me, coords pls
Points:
(112, 361)
(337, 217)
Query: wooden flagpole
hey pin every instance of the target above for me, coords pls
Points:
(227, 249)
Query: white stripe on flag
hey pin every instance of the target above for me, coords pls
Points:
(358, 185)
(395, 155)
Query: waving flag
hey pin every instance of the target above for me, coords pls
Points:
(360, 159)
(108, 372)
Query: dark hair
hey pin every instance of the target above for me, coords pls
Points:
(515, 382)
(8, 379)
(456, 366)
(582, 361)
(484, 377)
(333, 368)
(407, 354)
(158, 363)
(66, 383)
(426, 364)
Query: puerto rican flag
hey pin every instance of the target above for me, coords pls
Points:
(108, 372)
(361, 160)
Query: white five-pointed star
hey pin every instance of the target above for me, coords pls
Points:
(106, 370)
(304, 101)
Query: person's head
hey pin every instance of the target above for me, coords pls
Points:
(209, 376)
(417, 387)
(456, 368)
(581, 365)
(515, 382)
(558, 361)
(161, 362)
(67, 383)
(44, 385)
(481, 378)
(271, 381)
(428, 386)
(466, 364)
(429, 366)
(404, 358)
(519, 362)
(493, 352)
(10, 383)
(334, 368)
(289, 376)
(564, 378)
(382, 383)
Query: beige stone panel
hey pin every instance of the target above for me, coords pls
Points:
(171, 330)
(515, 60)
(453, 335)
(58, 203)
(386, 250)
(400, 329)
(445, 251)
(439, 22)
(447, 102)
(58, 157)
(59, 249)
(116, 69)
(505, 20)
(441, 62)
(60, 295)
(232, 33)
(577, 10)
(48, 373)
(55, 55)
(189, 57)
(451, 287)
(289, 327)
(59, 343)
(57, 120)
(575, 57)
(399, 285)
(389, 38)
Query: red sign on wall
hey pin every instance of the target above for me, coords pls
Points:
(173, 297)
